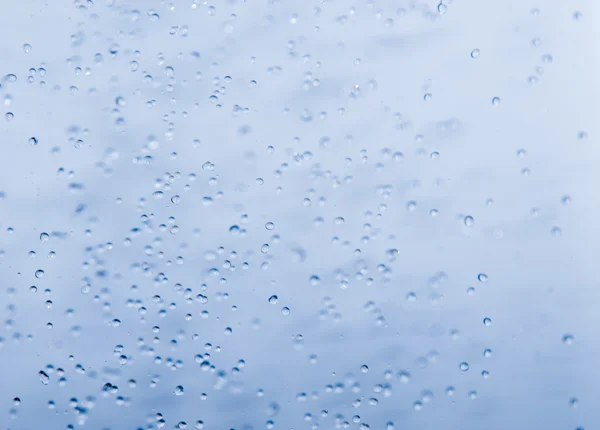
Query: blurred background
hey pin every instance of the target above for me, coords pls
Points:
(249, 214)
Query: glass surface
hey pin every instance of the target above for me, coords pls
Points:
(308, 214)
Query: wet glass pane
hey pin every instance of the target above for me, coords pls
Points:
(307, 214)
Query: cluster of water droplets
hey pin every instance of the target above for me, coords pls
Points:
(220, 228)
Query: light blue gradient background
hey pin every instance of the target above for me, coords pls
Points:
(540, 286)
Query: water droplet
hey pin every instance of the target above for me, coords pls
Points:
(496, 101)
(404, 376)
(475, 53)
(273, 299)
(442, 8)
(547, 58)
(568, 339)
(469, 221)
(272, 409)
(464, 366)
